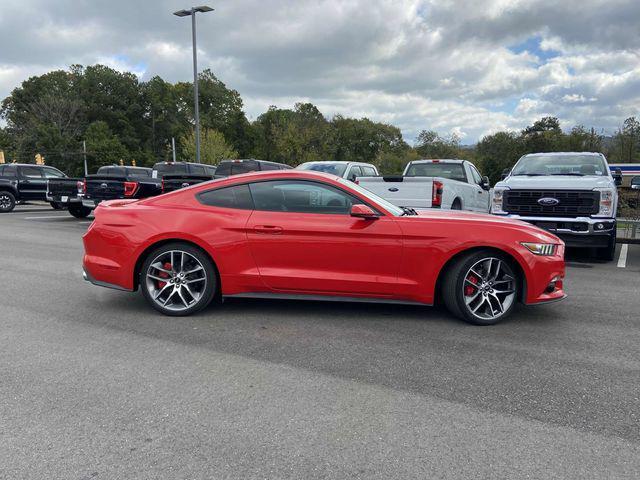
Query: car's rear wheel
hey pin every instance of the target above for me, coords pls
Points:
(7, 202)
(178, 279)
(79, 211)
(56, 205)
(481, 288)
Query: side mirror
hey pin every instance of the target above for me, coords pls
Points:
(363, 211)
(352, 177)
(505, 173)
(617, 176)
(485, 184)
(635, 183)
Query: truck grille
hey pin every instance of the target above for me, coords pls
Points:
(571, 203)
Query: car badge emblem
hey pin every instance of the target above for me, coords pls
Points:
(394, 189)
(103, 185)
(548, 201)
(185, 184)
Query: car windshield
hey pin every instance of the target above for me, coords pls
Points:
(332, 168)
(452, 171)
(390, 207)
(577, 165)
(170, 169)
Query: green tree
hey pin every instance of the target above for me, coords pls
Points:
(545, 135)
(213, 147)
(497, 152)
(361, 140)
(627, 141)
(431, 145)
(103, 146)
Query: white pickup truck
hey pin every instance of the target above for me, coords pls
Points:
(448, 184)
(571, 194)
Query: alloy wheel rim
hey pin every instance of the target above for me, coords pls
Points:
(176, 280)
(489, 288)
(5, 201)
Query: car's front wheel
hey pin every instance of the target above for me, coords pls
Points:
(79, 211)
(481, 288)
(178, 279)
(7, 202)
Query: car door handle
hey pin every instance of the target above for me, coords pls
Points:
(268, 229)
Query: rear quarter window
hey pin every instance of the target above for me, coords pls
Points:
(236, 196)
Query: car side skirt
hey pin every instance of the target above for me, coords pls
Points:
(323, 298)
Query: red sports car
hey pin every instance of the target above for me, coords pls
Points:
(305, 235)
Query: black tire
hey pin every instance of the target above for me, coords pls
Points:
(456, 205)
(607, 253)
(7, 202)
(79, 211)
(455, 297)
(209, 274)
(56, 206)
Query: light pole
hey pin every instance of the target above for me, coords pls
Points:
(196, 111)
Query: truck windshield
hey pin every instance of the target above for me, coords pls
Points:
(453, 171)
(332, 168)
(578, 165)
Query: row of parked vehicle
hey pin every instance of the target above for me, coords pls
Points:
(572, 194)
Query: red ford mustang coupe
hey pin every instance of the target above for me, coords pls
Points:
(305, 235)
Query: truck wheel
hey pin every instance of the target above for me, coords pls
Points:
(56, 205)
(79, 211)
(481, 288)
(7, 202)
(178, 279)
(607, 253)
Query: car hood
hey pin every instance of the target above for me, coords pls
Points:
(483, 219)
(560, 182)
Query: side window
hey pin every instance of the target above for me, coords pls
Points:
(476, 175)
(368, 171)
(197, 170)
(237, 196)
(301, 197)
(270, 166)
(105, 170)
(210, 170)
(354, 172)
(1, 170)
(52, 173)
(31, 172)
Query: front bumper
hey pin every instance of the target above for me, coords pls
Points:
(575, 232)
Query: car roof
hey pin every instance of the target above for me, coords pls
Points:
(553, 154)
(438, 160)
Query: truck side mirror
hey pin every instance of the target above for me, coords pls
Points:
(635, 182)
(485, 184)
(617, 176)
(505, 173)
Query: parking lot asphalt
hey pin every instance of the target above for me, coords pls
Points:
(95, 384)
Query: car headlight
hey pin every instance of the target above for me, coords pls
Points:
(607, 205)
(497, 199)
(544, 249)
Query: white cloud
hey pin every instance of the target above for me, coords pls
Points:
(445, 65)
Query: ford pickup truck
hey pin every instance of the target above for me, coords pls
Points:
(177, 175)
(571, 194)
(447, 184)
(116, 182)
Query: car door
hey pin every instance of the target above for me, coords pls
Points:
(481, 195)
(354, 172)
(32, 185)
(304, 240)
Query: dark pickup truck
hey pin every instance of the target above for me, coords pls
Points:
(67, 192)
(21, 182)
(116, 182)
(177, 175)
(226, 168)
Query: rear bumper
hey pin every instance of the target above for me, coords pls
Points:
(63, 199)
(90, 203)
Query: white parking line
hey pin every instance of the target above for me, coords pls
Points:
(622, 260)
(47, 217)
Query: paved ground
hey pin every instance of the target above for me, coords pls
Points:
(94, 384)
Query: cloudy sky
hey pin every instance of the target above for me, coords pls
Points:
(456, 66)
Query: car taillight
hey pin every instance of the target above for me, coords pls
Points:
(436, 197)
(162, 186)
(130, 188)
(82, 187)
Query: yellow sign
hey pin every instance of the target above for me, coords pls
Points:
(133, 163)
(39, 159)
(1, 156)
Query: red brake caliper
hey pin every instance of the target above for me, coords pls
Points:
(166, 266)
(470, 289)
